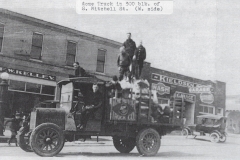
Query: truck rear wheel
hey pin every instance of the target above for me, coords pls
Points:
(23, 139)
(124, 145)
(148, 142)
(47, 140)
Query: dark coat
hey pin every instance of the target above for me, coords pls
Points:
(123, 60)
(80, 72)
(14, 124)
(140, 54)
(130, 47)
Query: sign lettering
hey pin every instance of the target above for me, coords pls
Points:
(186, 96)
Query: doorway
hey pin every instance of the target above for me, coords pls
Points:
(189, 112)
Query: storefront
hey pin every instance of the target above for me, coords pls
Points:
(200, 97)
(26, 89)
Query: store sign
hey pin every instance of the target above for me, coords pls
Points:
(161, 88)
(174, 81)
(186, 96)
(123, 109)
(201, 89)
(28, 74)
(207, 98)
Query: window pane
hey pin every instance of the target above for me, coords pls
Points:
(205, 109)
(71, 48)
(37, 40)
(100, 67)
(101, 55)
(1, 30)
(17, 85)
(211, 110)
(36, 52)
(70, 59)
(48, 90)
(31, 87)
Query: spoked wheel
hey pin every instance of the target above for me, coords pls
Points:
(148, 142)
(47, 140)
(185, 132)
(124, 145)
(223, 138)
(214, 137)
(23, 139)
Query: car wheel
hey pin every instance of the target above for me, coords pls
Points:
(185, 132)
(223, 138)
(148, 142)
(214, 137)
(47, 140)
(23, 139)
(124, 145)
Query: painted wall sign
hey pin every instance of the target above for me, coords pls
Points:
(175, 81)
(201, 89)
(207, 98)
(28, 74)
(161, 88)
(186, 96)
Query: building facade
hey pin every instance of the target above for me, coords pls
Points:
(37, 54)
(200, 97)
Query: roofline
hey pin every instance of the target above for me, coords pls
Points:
(84, 35)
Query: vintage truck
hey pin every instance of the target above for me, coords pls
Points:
(130, 121)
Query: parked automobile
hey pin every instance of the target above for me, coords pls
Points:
(212, 125)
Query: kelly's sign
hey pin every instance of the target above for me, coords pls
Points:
(28, 74)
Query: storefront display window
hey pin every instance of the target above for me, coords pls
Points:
(17, 85)
(208, 109)
(31, 87)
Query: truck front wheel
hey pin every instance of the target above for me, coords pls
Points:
(47, 140)
(23, 139)
(148, 142)
(124, 145)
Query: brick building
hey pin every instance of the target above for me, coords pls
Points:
(37, 54)
(200, 96)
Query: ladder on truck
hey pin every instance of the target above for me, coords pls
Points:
(178, 110)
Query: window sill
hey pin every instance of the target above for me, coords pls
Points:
(205, 113)
(70, 67)
(100, 73)
(35, 60)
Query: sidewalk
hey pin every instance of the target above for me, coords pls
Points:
(7, 135)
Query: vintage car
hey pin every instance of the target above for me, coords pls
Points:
(128, 119)
(212, 125)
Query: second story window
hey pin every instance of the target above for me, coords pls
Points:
(1, 35)
(71, 53)
(36, 50)
(101, 60)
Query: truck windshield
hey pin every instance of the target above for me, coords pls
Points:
(66, 96)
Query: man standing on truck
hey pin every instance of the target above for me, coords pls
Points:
(79, 71)
(139, 57)
(130, 46)
(123, 62)
(95, 103)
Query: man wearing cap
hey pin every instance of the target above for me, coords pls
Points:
(130, 46)
(139, 57)
(95, 103)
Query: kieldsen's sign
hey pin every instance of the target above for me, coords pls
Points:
(193, 87)
(28, 74)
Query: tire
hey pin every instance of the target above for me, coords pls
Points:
(23, 139)
(185, 132)
(124, 145)
(148, 142)
(214, 137)
(223, 138)
(47, 140)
